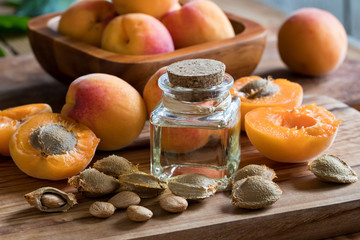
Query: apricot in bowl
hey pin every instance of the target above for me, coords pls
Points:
(51, 146)
(295, 135)
(11, 118)
(256, 92)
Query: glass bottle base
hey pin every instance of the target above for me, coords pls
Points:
(217, 173)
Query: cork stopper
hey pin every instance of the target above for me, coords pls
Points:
(196, 73)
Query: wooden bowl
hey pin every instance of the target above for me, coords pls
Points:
(67, 59)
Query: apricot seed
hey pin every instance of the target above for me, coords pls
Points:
(253, 170)
(259, 88)
(330, 168)
(94, 183)
(145, 185)
(255, 192)
(53, 139)
(192, 186)
(125, 199)
(138, 213)
(173, 204)
(115, 166)
(102, 209)
(49, 199)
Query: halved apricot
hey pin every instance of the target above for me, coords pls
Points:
(255, 92)
(11, 118)
(295, 135)
(51, 146)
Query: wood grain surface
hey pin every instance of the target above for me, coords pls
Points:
(308, 208)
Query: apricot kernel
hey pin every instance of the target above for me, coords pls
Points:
(115, 166)
(125, 199)
(330, 168)
(49, 199)
(138, 213)
(192, 186)
(102, 209)
(53, 139)
(145, 185)
(255, 192)
(173, 204)
(253, 170)
(259, 88)
(94, 183)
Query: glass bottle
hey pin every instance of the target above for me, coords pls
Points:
(196, 130)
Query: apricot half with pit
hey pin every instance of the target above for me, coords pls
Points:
(295, 135)
(255, 92)
(51, 146)
(11, 118)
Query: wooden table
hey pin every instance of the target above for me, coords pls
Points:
(23, 81)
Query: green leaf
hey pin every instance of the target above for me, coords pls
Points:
(13, 24)
(33, 8)
(2, 53)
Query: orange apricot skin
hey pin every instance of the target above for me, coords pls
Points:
(312, 41)
(289, 96)
(11, 118)
(52, 167)
(285, 144)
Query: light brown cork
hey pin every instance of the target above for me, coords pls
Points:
(196, 73)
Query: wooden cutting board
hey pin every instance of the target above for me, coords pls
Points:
(308, 208)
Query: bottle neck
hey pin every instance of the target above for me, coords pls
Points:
(196, 100)
(207, 106)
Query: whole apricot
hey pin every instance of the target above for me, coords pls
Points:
(312, 42)
(295, 135)
(109, 106)
(86, 20)
(136, 34)
(197, 22)
(155, 8)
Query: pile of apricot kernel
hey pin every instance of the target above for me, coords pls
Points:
(11, 118)
(295, 135)
(51, 146)
(255, 92)
(130, 186)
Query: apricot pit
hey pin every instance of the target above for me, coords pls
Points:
(259, 88)
(256, 92)
(53, 139)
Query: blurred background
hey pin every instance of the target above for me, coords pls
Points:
(14, 15)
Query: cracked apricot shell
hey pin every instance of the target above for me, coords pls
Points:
(51, 146)
(295, 135)
(289, 95)
(11, 118)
